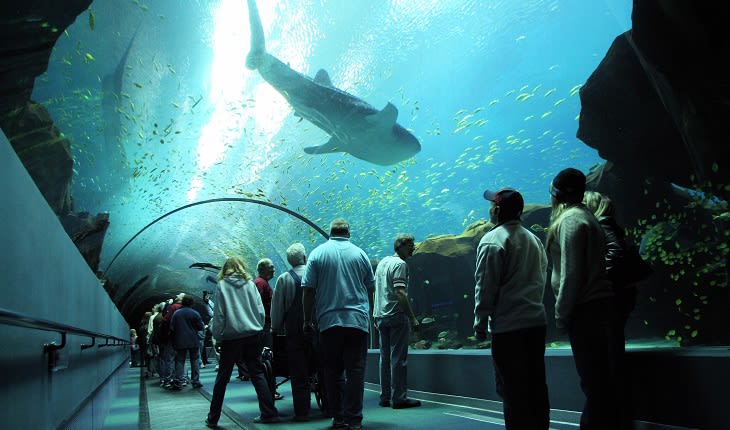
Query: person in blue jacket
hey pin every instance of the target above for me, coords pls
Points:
(184, 327)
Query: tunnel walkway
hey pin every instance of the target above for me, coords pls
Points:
(143, 404)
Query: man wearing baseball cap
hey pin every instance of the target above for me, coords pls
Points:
(510, 279)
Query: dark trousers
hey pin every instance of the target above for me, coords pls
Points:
(180, 356)
(299, 359)
(247, 349)
(203, 353)
(624, 303)
(519, 368)
(593, 341)
(344, 350)
(142, 353)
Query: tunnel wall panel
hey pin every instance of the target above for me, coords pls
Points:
(43, 275)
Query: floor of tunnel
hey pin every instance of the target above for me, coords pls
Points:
(143, 404)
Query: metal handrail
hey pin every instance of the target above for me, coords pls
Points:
(21, 320)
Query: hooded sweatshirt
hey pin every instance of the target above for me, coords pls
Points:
(238, 311)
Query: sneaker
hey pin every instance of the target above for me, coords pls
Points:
(407, 403)
(338, 424)
(197, 385)
(210, 424)
(384, 403)
(277, 396)
(300, 418)
(266, 420)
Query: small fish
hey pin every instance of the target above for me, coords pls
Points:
(92, 19)
(88, 57)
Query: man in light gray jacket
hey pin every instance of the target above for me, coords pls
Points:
(511, 272)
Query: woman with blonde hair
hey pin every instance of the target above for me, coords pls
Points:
(583, 298)
(237, 327)
(624, 265)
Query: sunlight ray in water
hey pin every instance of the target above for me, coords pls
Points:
(226, 90)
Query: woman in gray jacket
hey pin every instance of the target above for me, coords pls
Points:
(237, 326)
(584, 298)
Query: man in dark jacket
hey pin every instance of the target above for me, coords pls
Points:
(185, 325)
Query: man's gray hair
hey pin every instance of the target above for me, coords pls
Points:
(402, 239)
(296, 255)
(264, 264)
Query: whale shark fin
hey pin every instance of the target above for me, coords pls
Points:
(332, 145)
(386, 117)
(323, 78)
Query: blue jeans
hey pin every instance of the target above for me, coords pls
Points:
(180, 356)
(395, 331)
(167, 361)
(247, 349)
(344, 350)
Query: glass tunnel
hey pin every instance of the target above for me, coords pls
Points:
(179, 137)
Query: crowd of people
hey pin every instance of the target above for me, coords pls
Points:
(325, 304)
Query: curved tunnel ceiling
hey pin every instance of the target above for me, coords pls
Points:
(171, 278)
(162, 112)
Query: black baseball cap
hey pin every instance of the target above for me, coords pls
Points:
(568, 185)
(509, 200)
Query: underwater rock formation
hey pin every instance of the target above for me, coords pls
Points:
(45, 153)
(442, 281)
(87, 233)
(657, 105)
(29, 31)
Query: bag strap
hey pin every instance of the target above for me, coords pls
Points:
(297, 279)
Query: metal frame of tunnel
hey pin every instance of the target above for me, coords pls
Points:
(218, 200)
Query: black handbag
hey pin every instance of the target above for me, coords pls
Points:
(632, 268)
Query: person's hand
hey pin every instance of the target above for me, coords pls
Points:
(415, 324)
(480, 335)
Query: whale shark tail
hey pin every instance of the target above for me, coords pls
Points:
(258, 43)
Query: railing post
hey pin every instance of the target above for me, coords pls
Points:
(53, 352)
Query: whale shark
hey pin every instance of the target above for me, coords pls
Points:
(354, 126)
